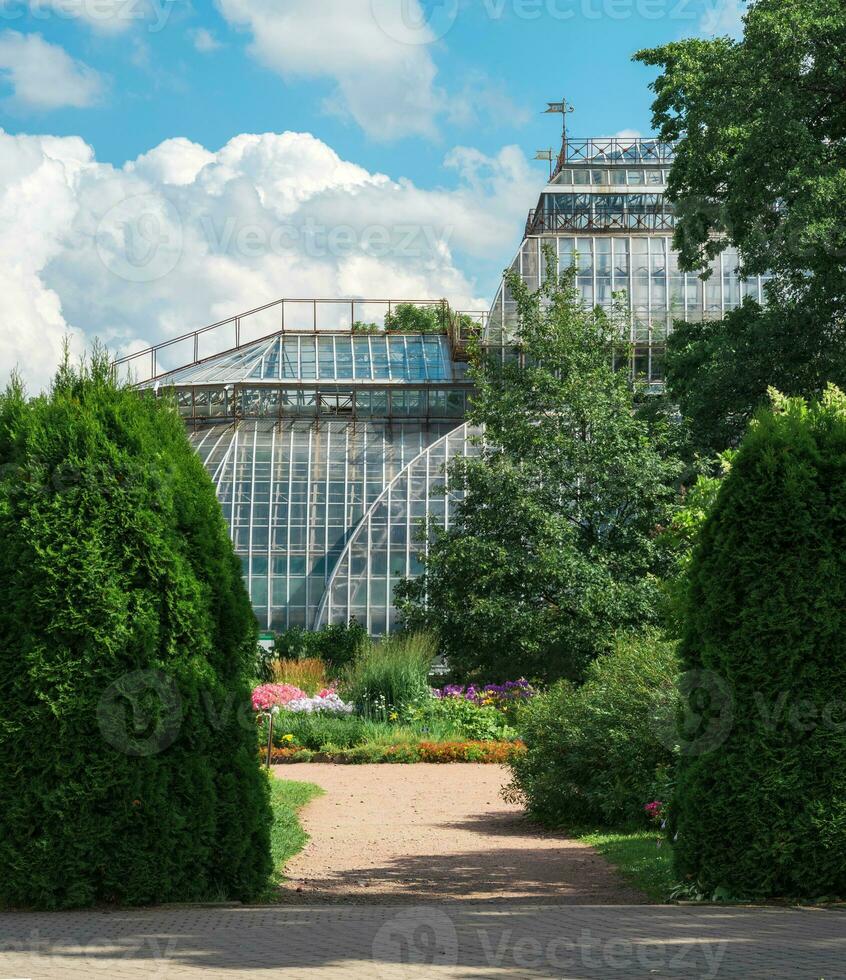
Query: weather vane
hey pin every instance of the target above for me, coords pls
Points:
(563, 107)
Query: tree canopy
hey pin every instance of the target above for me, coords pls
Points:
(760, 164)
(551, 548)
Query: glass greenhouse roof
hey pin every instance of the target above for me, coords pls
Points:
(326, 357)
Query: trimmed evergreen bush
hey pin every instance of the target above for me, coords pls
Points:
(128, 756)
(593, 751)
(764, 813)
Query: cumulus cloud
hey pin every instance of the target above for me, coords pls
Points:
(44, 76)
(376, 51)
(38, 187)
(184, 236)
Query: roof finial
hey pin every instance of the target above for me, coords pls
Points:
(563, 107)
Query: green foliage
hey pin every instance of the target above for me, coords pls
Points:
(335, 645)
(552, 548)
(763, 815)
(718, 372)
(425, 720)
(761, 164)
(390, 674)
(363, 327)
(128, 767)
(593, 751)
(681, 536)
(462, 718)
(321, 731)
(408, 318)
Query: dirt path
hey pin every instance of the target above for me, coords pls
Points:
(422, 833)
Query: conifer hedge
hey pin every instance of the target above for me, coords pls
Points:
(128, 761)
(762, 813)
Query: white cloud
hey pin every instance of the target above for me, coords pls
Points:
(38, 187)
(377, 53)
(183, 236)
(44, 76)
(204, 41)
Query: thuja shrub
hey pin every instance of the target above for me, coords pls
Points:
(762, 814)
(128, 764)
(592, 751)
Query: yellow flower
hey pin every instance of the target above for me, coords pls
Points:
(393, 716)
(287, 738)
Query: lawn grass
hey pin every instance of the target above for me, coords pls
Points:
(287, 837)
(639, 859)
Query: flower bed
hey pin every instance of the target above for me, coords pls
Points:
(505, 696)
(435, 752)
(275, 697)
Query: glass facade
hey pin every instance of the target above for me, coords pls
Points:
(609, 220)
(387, 544)
(294, 494)
(326, 449)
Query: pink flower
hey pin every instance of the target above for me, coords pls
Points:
(269, 696)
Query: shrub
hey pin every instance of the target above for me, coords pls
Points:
(763, 814)
(308, 674)
(389, 675)
(466, 719)
(592, 751)
(408, 318)
(335, 645)
(126, 643)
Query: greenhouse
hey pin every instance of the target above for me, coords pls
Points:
(326, 424)
(326, 442)
(604, 212)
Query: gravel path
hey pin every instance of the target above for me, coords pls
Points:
(422, 833)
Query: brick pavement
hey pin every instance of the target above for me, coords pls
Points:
(455, 940)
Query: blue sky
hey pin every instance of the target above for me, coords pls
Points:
(444, 97)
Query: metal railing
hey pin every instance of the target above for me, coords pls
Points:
(464, 325)
(614, 150)
(253, 326)
(599, 220)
